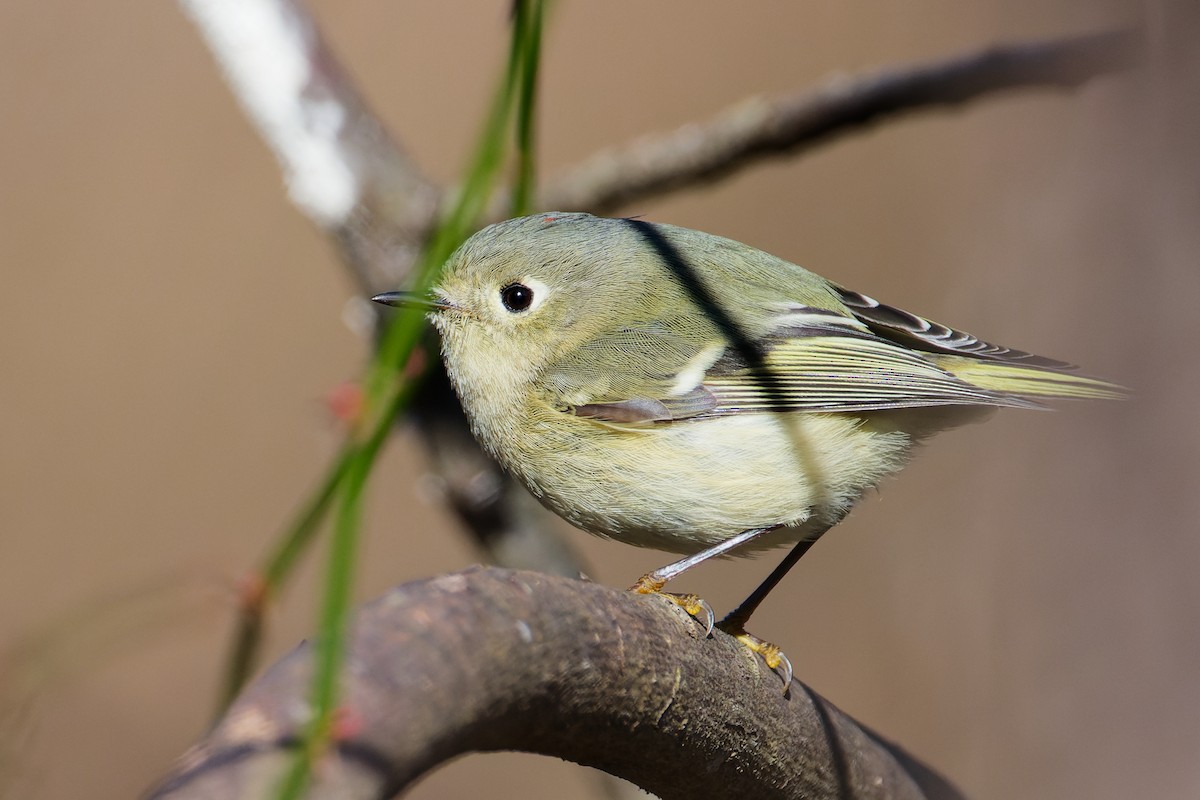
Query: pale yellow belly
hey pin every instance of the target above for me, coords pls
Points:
(686, 485)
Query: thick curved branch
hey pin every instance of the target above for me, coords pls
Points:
(760, 128)
(492, 659)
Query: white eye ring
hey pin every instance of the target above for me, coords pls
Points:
(523, 296)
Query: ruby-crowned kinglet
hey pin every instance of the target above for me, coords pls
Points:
(673, 389)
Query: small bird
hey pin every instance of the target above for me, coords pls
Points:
(677, 390)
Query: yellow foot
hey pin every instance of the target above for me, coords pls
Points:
(693, 604)
(774, 658)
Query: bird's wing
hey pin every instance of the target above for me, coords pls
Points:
(825, 372)
(637, 374)
(814, 361)
(917, 333)
(1004, 371)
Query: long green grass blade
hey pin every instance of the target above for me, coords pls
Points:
(386, 394)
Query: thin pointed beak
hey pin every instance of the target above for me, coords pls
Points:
(409, 299)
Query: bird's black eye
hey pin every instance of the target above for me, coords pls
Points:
(516, 297)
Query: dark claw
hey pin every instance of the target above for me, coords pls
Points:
(710, 619)
(693, 604)
(775, 659)
(786, 664)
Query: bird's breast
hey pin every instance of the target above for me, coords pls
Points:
(685, 485)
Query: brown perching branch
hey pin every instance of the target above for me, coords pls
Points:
(760, 128)
(491, 659)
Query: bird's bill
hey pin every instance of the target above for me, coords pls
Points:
(402, 299)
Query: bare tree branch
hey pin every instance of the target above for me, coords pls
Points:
(355, 182)
(346, 174)
(341, 168)
(760, 128)
(491, 659)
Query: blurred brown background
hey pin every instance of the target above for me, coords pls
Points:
(1020, 608)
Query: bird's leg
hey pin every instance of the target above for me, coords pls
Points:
(735, 621)
(653, 582)
(741, 615)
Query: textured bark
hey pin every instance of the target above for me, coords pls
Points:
(492, 659)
